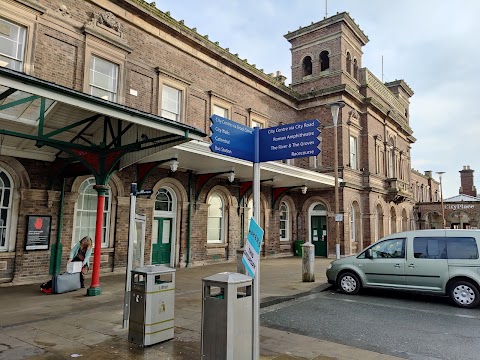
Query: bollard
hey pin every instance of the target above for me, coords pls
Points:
(240, 266)
(308, 261)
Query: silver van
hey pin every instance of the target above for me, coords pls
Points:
(443, 262)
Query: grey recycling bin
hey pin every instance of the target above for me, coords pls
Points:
(152, 302)
(227, 320)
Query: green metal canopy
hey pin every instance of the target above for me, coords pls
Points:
(44, 121)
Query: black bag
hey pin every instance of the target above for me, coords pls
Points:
(65, 282)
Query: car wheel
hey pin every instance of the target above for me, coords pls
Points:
(349, 283)
(464, 294)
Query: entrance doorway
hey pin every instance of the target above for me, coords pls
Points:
(318, 229)
(161, 240)
(164, 225)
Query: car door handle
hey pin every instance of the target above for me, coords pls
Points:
(411, 266)
(397, 265)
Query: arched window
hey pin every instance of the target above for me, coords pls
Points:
(250, 210)
(355, 69)
(324, 60)
(215, 222)
(163, 200)
(307, 66)
(86, 213)
(353, 227)
(393, 220)
(404, 220)
(378, 222)
(319, 207)
(349, 63)
(391, 165)
(6, 185)
(284, 222)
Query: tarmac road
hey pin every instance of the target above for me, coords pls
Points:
(409, 326)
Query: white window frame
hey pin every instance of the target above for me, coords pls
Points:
(217, 100)
(353, 152)
(256, 123)
(222, 220)
(170, 80)
(25, 15)
(257, 119)
(113, 75)
(353, 225)
(220, 111)
(177, 115)
(6, 227)
(391, 162)
(286, 220)
(169, 201)
(79, 230)
(94, 48)
(19, 58)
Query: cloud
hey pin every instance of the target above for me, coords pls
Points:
(430, 44)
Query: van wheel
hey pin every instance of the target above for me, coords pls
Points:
(349, 283)
(464, 294)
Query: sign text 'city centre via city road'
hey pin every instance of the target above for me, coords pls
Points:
(276, 143)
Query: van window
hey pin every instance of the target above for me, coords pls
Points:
(393, 248)
(462, 248)
(429, 248)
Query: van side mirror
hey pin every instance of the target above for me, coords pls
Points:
(368, 254)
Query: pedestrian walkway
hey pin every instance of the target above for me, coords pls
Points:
(66, 326)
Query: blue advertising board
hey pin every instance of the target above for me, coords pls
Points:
(290, 141)
(231, 138)
(251, 253)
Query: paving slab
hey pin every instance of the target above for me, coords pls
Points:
(53, 327)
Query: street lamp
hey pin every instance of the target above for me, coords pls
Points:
(441, 197)
(335, 108)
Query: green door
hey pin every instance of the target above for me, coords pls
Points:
(319, 235)
(161, 240)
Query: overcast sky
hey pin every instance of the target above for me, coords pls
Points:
(431, 44)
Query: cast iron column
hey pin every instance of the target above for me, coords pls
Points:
(95, 286)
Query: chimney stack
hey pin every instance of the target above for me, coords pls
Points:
(280, 77)
(467, 186)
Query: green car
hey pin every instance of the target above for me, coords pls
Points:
(443, 262)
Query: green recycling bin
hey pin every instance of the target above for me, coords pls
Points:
(298, 248)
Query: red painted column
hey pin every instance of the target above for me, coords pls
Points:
(95, 286)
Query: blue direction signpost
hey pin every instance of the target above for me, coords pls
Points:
(231, 138)
(255, 145)
(290, 141)
(276, 143)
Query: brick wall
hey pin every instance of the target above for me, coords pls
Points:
(151, 48)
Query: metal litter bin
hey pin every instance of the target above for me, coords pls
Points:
(227, 320)
(152, 303)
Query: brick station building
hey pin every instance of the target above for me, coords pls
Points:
(125, 72)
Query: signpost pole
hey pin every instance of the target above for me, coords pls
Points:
(126, 307)
(256, 217)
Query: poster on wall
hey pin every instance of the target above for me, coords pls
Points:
(38, 232)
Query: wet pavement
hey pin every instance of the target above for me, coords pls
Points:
(72, 325)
